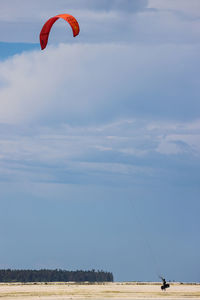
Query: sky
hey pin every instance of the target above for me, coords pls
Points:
(100, 138)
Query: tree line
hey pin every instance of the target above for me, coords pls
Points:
(45, 275)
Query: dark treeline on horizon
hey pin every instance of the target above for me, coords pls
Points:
(45, 275)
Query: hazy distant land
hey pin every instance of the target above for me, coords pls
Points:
(111, 290)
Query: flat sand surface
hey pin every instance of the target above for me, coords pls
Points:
(103, 291)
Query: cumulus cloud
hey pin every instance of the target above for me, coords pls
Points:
(82, 84)
(83, 113)
(93, 109)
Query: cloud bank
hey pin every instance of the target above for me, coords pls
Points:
(106, 109)
(100, 114)
(81, 84)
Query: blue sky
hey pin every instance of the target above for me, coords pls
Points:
(99, 138)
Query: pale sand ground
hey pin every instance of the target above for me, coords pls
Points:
(115, 291)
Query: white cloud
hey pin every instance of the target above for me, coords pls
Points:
(66, 153)
(26, 9)
(104, 21)
(91, 83)
(102, 103)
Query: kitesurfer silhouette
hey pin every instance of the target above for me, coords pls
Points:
(165, 284)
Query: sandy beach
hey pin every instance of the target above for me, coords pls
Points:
(117, 290)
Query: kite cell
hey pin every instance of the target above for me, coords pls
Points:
(44, 34)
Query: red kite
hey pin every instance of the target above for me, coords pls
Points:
(44, 34)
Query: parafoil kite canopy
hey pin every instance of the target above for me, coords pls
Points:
(44, 34)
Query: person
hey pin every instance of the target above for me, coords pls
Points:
(165, 284)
